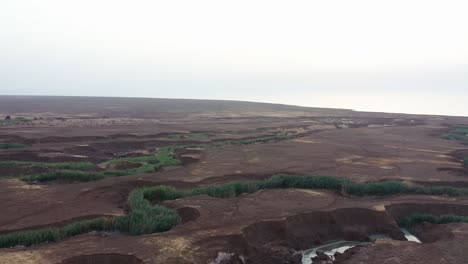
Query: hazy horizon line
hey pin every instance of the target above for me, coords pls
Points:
(227, 100)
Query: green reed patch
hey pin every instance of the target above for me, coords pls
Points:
(144, 218)
(12, 146)
(458, 134)
(415, 219)
(193, 135)
(233, 189)
(163, 158)
(84, 166)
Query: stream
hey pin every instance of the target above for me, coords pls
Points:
(330, 249)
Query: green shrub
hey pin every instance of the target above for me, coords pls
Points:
(75, 173)
(64, 175)
(458, 134)
(12, 146)
(193, 135)
(415, 219)
(164, 157)
(52, 165)
(32, 237)
(142, 219)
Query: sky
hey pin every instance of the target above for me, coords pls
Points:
(406, 56)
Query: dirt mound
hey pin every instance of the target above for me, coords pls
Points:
(459, 154)
(305, 230)
(110, 258)
(188, 214)
(277, 241)
(430, 233)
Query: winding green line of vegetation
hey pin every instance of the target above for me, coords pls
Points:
(193, 135)
(163, 158)
(144, 218)
(415, 219)
(16, 120)
(229, 190)
(83, 166)
(12, 145)
(237, 142)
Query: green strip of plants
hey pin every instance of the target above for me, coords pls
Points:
(163, 158)
(53, 165)
(193, 135)
(415, 219)
(458, 134)
(144, 218)
(12, 146)
(229, 190)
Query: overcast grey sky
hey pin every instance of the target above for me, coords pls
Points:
(396, 56)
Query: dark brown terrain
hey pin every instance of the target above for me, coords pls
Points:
(266, 226)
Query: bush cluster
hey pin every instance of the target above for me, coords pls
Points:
(415, 219)
(142, 219)
(12, 145)
(71, 171)
(83, 166)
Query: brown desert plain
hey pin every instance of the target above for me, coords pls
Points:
(132, 180)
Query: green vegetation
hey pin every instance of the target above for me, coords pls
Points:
(32, 237)
(395, 187)
(82, 166)
(163, 158)
(237, 142)
(145, 218)
(234, 189)
(16, 120)
(116, 139)
(458, 134)
(415, 219)
(12, 146)
(193, 135)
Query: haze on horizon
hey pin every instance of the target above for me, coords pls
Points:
(393, 56)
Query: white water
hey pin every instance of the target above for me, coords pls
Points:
(331, 249)
(409, 236)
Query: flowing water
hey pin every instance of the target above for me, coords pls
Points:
(330, 249)
(409, 236)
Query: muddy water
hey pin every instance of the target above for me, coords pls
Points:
(331, 249)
